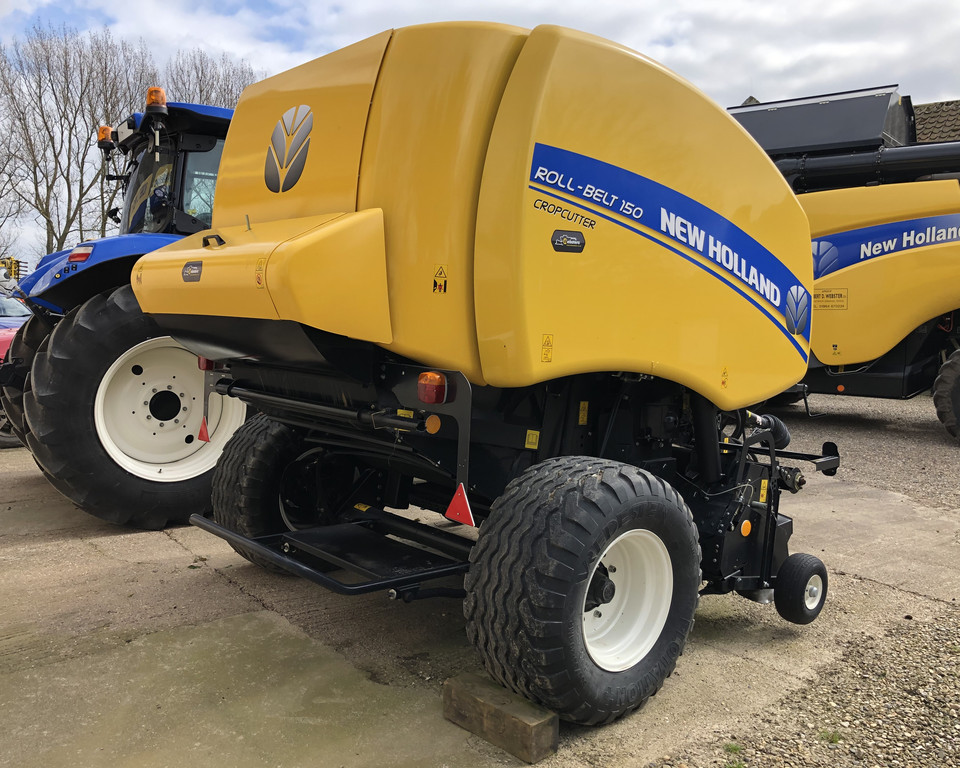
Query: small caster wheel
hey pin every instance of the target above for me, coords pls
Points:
(800, 589)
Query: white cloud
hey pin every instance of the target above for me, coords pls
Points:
(729, 49)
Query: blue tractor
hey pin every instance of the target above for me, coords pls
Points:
(116, 413)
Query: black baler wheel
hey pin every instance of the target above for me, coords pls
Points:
(247, 481)
(801, 588)
(583, 586)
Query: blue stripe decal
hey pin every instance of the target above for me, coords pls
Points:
(693, 261)
(753, 271)
(832, 253)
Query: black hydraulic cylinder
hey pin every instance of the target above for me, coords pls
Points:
(365, 418)
(889, 164)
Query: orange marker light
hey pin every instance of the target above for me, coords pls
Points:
(432, 387)
(156, 97)
(840, 387)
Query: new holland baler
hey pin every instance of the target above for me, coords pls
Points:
(469, 268)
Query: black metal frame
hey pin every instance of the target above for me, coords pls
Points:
(380, 422)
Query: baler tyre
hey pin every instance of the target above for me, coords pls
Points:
(946, 394)
(113, 413)
(801, 588)
(247, 481)
(24, 347)
(539, 606)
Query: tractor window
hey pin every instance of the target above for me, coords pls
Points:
(200, 181)
(148, 202)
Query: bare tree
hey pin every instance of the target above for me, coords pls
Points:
(56, 87)
(198, 77)
(10, 204)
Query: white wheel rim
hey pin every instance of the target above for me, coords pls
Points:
(620, 633)
(813, 593)
(149, 408)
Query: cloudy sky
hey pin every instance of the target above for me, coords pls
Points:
(729, 48)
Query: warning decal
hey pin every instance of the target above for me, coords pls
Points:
(584, 412)
(439, 278)
(546, 348)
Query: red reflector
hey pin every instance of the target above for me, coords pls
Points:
(80, 253)
(459, 509)
(203, 436)
(205, 364)
(432, 387)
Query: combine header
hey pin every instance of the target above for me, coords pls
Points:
(884, 215)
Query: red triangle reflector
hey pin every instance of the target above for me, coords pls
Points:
(204, 435)
(459, 509)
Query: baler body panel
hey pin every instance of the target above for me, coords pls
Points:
(291, 269)
(472, 132)
(318, 112)
(644, 293)
(430, 122)
(886, 260)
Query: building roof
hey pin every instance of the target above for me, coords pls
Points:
(938, 121)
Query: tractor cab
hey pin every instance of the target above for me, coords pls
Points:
(172, 153)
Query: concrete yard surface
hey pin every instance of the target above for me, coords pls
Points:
(149, 649)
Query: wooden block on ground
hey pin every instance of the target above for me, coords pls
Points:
(509, 721)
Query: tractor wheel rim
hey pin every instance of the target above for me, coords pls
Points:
(148, 412)
(618, 634)
(813, 592)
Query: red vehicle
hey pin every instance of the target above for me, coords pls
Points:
(13, 314)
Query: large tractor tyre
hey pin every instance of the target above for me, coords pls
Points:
(114, 411)
(23, 347)
(247, 481)
(8, 437)
(946, 394)
(583, 586)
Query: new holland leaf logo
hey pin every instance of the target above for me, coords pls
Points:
(288, 149)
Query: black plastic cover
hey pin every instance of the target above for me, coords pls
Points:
(851, 121)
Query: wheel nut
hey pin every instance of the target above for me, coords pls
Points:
(149, 417)
(611, 569)
(169, 386)
(597, 614)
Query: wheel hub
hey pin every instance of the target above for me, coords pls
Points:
(165, 405)
(811, 595)
(602, 589)
(149, 411)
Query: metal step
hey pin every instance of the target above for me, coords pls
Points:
(363, 549)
